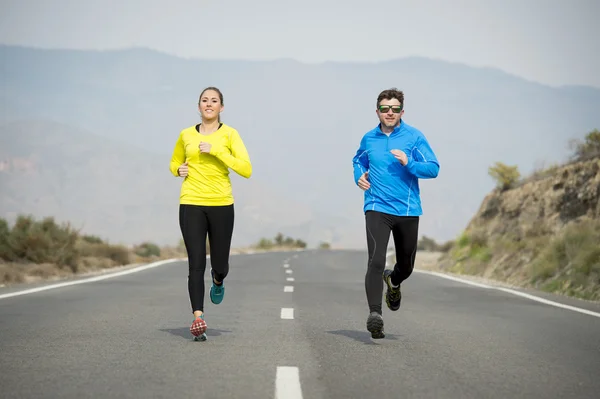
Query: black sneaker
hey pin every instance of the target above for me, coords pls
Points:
(375, 325)
(393, 296)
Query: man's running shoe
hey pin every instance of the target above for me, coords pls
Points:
(198, 328)
(393, 296)
(375, 325)
(217, 292)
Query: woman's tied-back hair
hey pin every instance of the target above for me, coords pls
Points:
(218, 92)
(391, 94)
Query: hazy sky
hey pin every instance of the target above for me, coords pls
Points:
(549, 41)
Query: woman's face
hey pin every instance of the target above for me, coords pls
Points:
(210, 105)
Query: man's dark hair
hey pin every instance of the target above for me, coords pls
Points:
(390, 94)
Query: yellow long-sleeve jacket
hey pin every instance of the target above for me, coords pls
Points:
(208, 182)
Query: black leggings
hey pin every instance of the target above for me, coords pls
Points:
(405, 230)
(195, 223)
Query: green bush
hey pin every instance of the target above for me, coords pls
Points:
(447, 246)
(463, 240)
(299, 244)
(570, 262)
(505, 176)
(280, 241)
(116, 253)
(429, 244)
(39, 242)
(5, 252)
(92, 239)
(147, 249)
(471, 253)
(265, 243)
(47, 242)
(324, 245)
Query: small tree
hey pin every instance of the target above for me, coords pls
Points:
(265, 243)
(427, 244)
(300, 244)
(5, 251)
(589, 148)
(279, 239)
(447, 246)
(505, 176)
(324, 245)
(92, 239)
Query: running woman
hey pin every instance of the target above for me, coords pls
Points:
(203, 155)
(387, 165)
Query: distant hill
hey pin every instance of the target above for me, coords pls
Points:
(302, 123)
(124, 194)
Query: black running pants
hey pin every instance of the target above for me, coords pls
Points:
(405, 230)
(196, 224)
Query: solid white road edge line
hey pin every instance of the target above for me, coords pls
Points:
(507, 290)
(90, 279)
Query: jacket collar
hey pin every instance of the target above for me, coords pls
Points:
(395, 131)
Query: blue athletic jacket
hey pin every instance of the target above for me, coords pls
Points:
(394, 188)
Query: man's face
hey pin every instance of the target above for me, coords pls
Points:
(390, 112)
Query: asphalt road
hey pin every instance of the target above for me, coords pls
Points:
(128, 337)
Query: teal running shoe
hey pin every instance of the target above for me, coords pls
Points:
(217, 292)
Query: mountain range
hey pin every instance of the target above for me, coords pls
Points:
(93, 133)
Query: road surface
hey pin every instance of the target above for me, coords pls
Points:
(292, 325)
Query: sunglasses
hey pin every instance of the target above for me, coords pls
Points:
(395, 108)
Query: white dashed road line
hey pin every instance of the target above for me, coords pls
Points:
(287, 383)
(287, 380)
(287, 313)
(290, 279)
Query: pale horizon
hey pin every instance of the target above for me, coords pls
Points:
(548, 42)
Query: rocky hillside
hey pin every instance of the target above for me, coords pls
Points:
(542, 232)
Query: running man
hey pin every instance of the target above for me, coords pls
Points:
(202, 156)
(389, 161)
